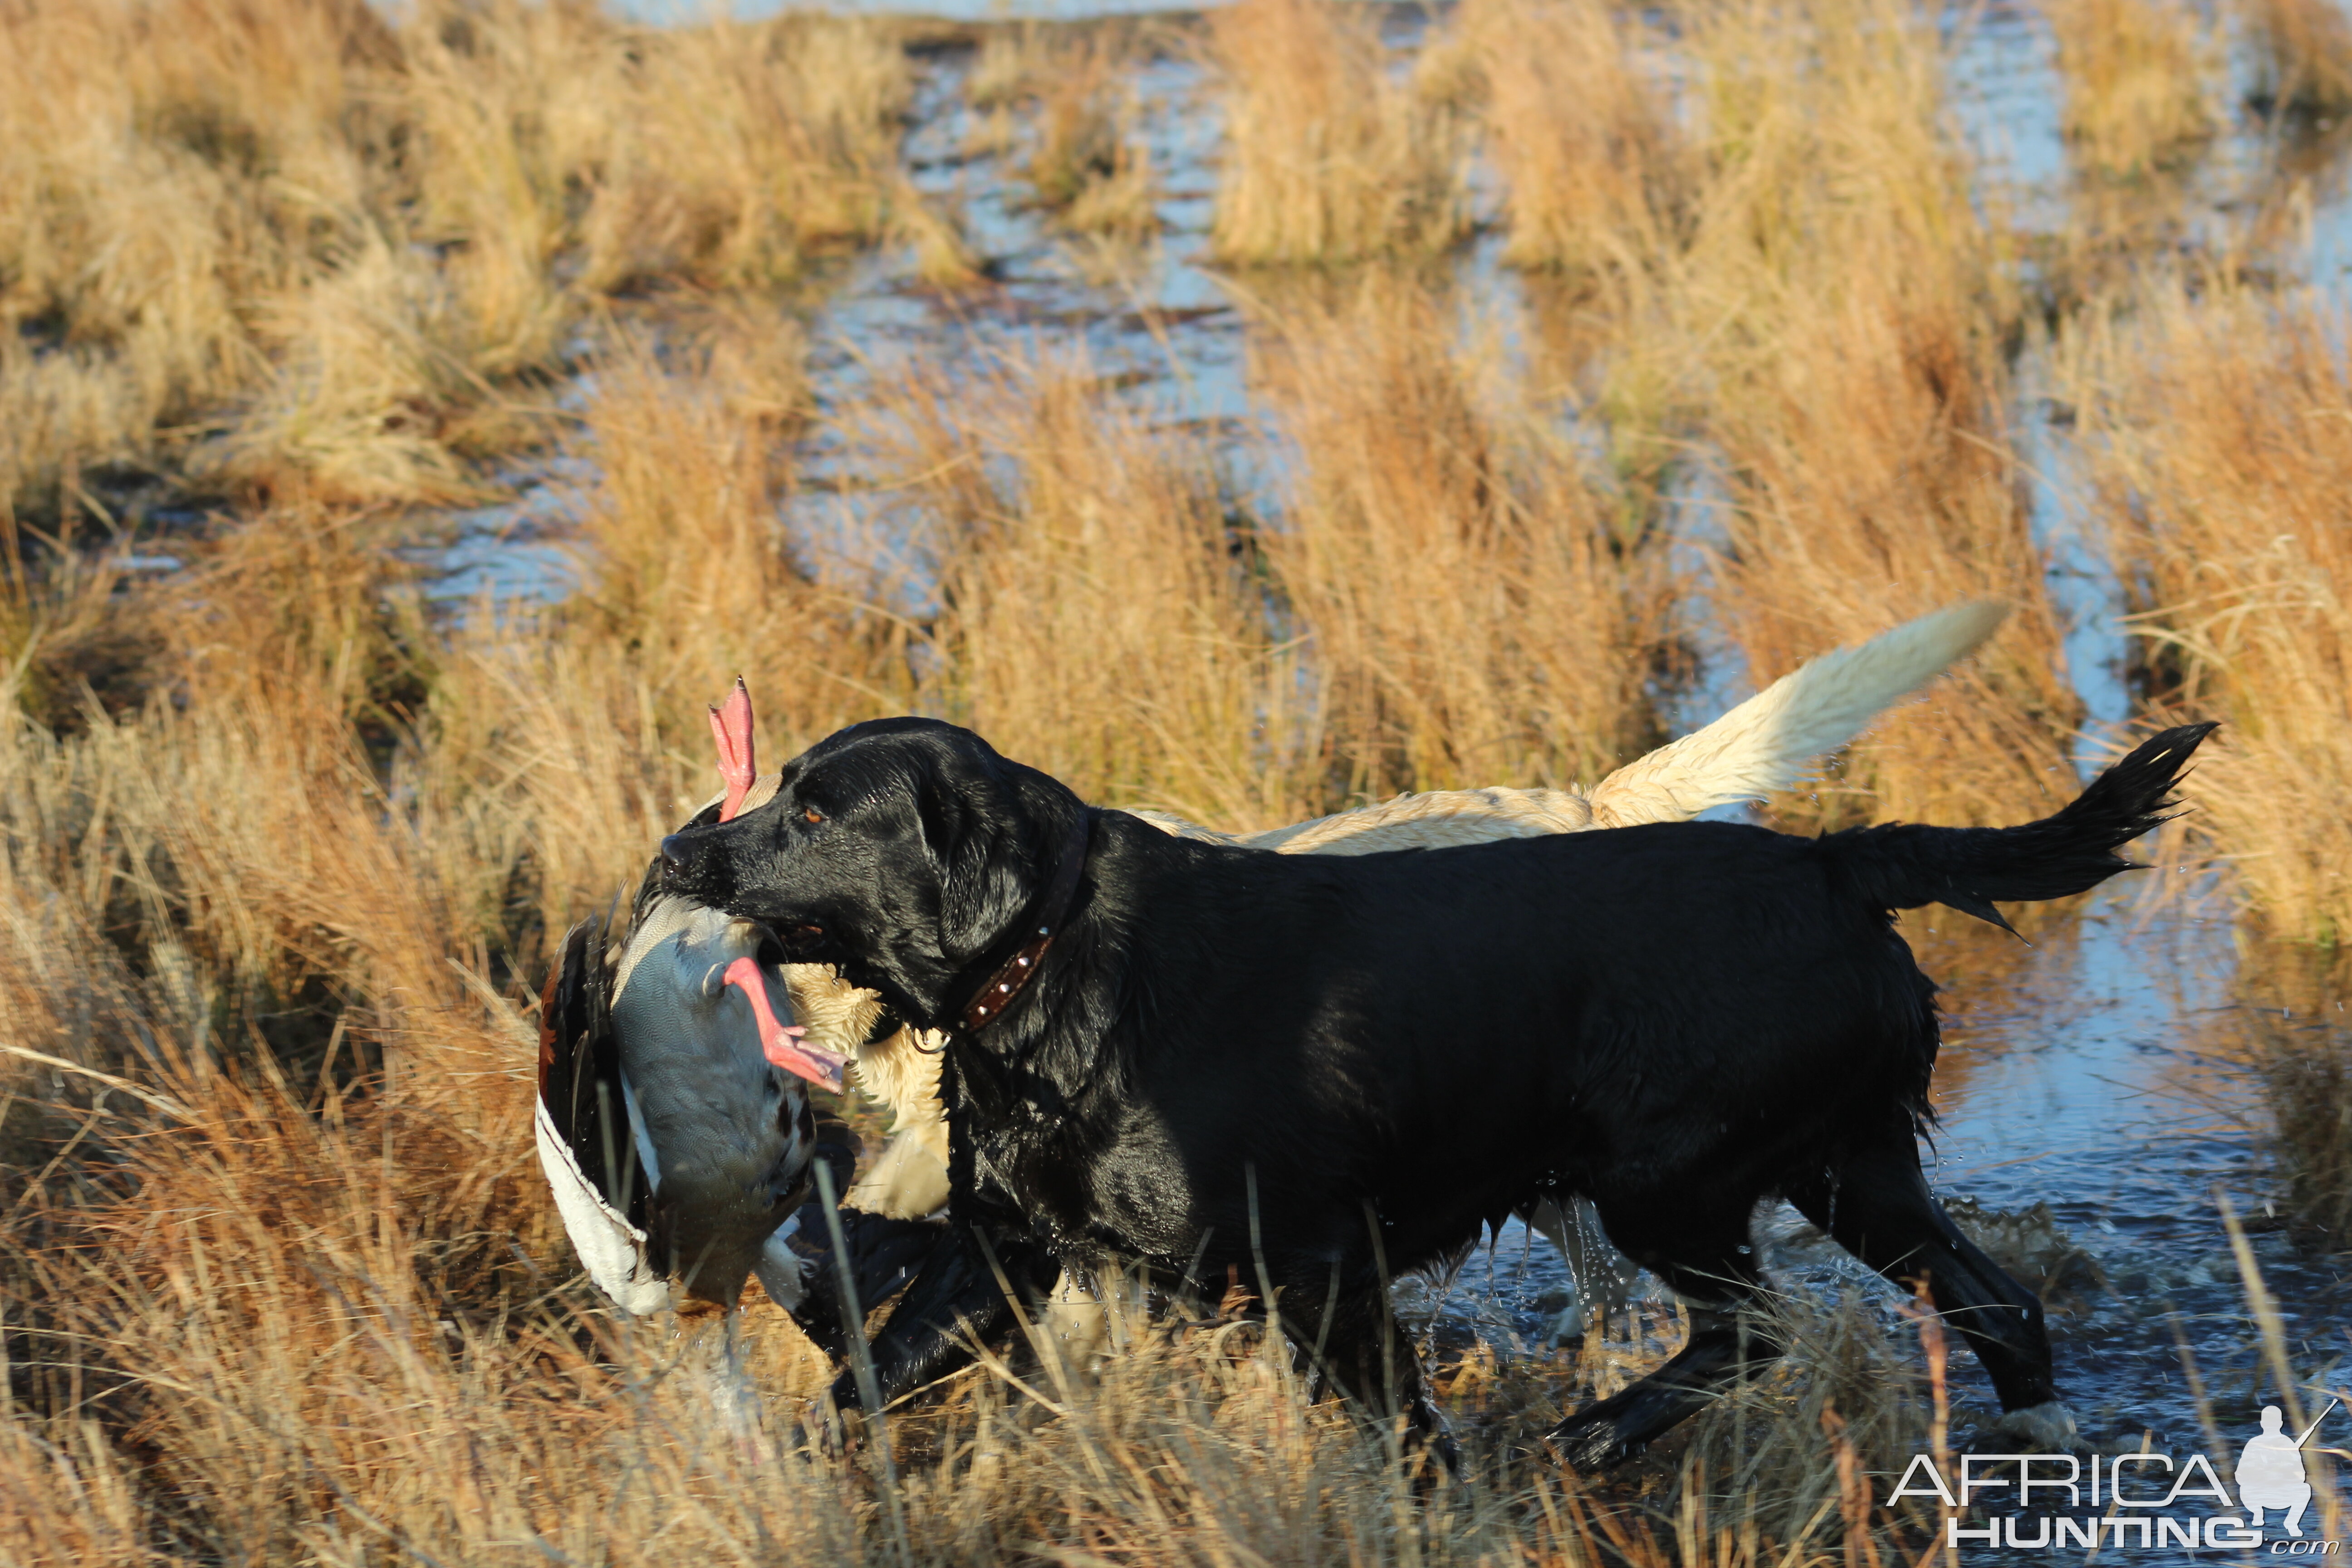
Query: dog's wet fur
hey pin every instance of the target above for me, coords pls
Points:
(1239, 1065)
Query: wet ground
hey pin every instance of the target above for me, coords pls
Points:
(2086, 1072)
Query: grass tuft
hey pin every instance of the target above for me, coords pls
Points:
(1473, 603)
(2305, 47)
(1844, 305)
(1331, 155)
(2139, 78)
(2222, 461)
(282, 844)
(273, 246)
(1580, 133)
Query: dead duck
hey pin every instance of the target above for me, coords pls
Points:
(674, 1121)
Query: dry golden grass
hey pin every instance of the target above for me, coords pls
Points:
(283, 1282)
(1836, 329)
(1816, 306)
(1581, 134)
(2291, 1027)
(1866, 483)
(1067, 538)
(218, 215)
(2222, 465)
(743, 148)
(1470, 604)
(1079, 105)
(2140, 82)
(1330, 153)
(364, 393)
(280, 1363)
(1087, 165)
(2305, 50)
(1295, 665)
(130, 234)
(280, 852)
(302, 1295)
(1010, 64)
(66, 641)
(276, 246)
(569, 739)
(2307, 1077)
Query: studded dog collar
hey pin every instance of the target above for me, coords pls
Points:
(1042, 923)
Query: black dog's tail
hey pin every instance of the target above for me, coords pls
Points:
(1900, 866)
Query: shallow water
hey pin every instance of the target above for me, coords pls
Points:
(2079, 1073)
(1170, 332)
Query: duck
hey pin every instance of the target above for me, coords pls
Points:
(675, 1123)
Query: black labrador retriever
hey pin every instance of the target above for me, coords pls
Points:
(1224, 1063)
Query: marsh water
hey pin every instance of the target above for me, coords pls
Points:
(2089, 1072)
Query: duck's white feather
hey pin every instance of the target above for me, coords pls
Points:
(610, 1248)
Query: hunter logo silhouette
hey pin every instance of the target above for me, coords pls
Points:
(2270, 1470)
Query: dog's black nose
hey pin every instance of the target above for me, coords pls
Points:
(674, 851)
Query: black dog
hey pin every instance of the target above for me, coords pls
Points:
(1225, 1063)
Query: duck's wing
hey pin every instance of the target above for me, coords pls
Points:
(587, 1146)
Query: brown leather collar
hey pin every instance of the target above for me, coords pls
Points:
(1043, 921)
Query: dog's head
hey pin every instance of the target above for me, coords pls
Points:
(901, 849)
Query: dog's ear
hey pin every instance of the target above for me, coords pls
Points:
(975, 856)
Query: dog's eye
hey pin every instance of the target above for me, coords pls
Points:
(810, 814)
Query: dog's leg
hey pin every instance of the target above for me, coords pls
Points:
(906, 1181)
(954, 1300)
(885, 1256)
(1600, 1278)
(1708, 1259)
(1877, 1206)
(1367, 1357)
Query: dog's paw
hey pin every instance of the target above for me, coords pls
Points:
(1429, 1440)
(2048, 1426)
(833, 1430)
(1563, 1319)
(1589, 1443)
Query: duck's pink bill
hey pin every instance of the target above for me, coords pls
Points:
(783, 1044)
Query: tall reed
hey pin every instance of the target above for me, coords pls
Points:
(283, 1279)
(2220, 458)
(1843, 309)
(1098, 613)
(133, 224)
(1330, 154)
(2140, 83)
(277, 1278)
(1081, 157)
(748, 147)
(317, 1302)
(271, 247)
(2305, 47)
(1580, 131)
(580, 725)
(2291, 1029)
(1472, 608)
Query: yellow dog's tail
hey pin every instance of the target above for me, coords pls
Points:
(1776, 737)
